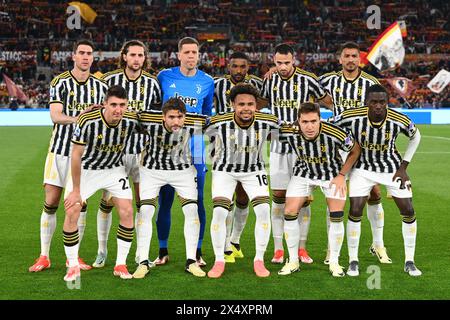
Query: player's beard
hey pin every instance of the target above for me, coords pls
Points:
(245, 120)
(350, 67)
(238, 77)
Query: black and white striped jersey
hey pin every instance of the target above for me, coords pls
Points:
(144, 93)
(222, 88)
(346, 94)
(239, 149)
(286, 95)
(104, 143)
(319, 158)
(75, 97)
(377, 141)
(167, 150)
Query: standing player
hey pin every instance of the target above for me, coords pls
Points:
(376, 129)
(144, 93)
(285, 90)
(318, 164)
(237, 139)
(348, 89)
(71, 93)
(96, 163)
(238, 68)
(168, 161)
(196, 89)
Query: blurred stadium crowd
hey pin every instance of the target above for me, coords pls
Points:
(34, 34)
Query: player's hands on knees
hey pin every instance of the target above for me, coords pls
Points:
(269, 73)
(402, 176)
(341, 186)
(74, 199)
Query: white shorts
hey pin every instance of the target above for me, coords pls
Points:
(224, 183)
(281, 167)
(114, 181)
(362, 182)
(57, 170)
(183, 181)
(304, 187)
(131, 163)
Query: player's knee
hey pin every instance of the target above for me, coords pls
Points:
(407, 211)
(72, 214)
(355, 214)
(49, 208)
(337, 216)
(374, 199)
(126, 212)
(279, 198)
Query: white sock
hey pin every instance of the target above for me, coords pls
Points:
(292, 235)
(72, 254)
(191, 229)
(277, 217)
(328, 227)
(123, 248)
(71, 246)
(218, 232)
(262, 229)
(82, 224)
(239, 221)
(48, 226)
(409, 231)
(335, 238)
(304, 220)
(104, 221)
(137, 222)
(353, 236)
(144, 230)
(229, 228)
(376, 217)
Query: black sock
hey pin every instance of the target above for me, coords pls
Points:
(163, 252)
(189, 262)
(236, 245)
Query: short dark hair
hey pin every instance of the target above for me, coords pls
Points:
(124, 50)
(243, 88)
(174, 104)
(187, 40)
(349, 45)
(284, 48)
(308, 107)
(375, 88)
(116, 91)
(239, 55)
(83, 42)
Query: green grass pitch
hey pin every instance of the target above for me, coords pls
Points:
(21, 198)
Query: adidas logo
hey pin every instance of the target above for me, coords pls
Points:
(173, 85)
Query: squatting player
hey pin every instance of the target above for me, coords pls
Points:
(96, 163)
(237, 139)
(318, 164)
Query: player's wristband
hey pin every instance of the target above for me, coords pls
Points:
(342, 174)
